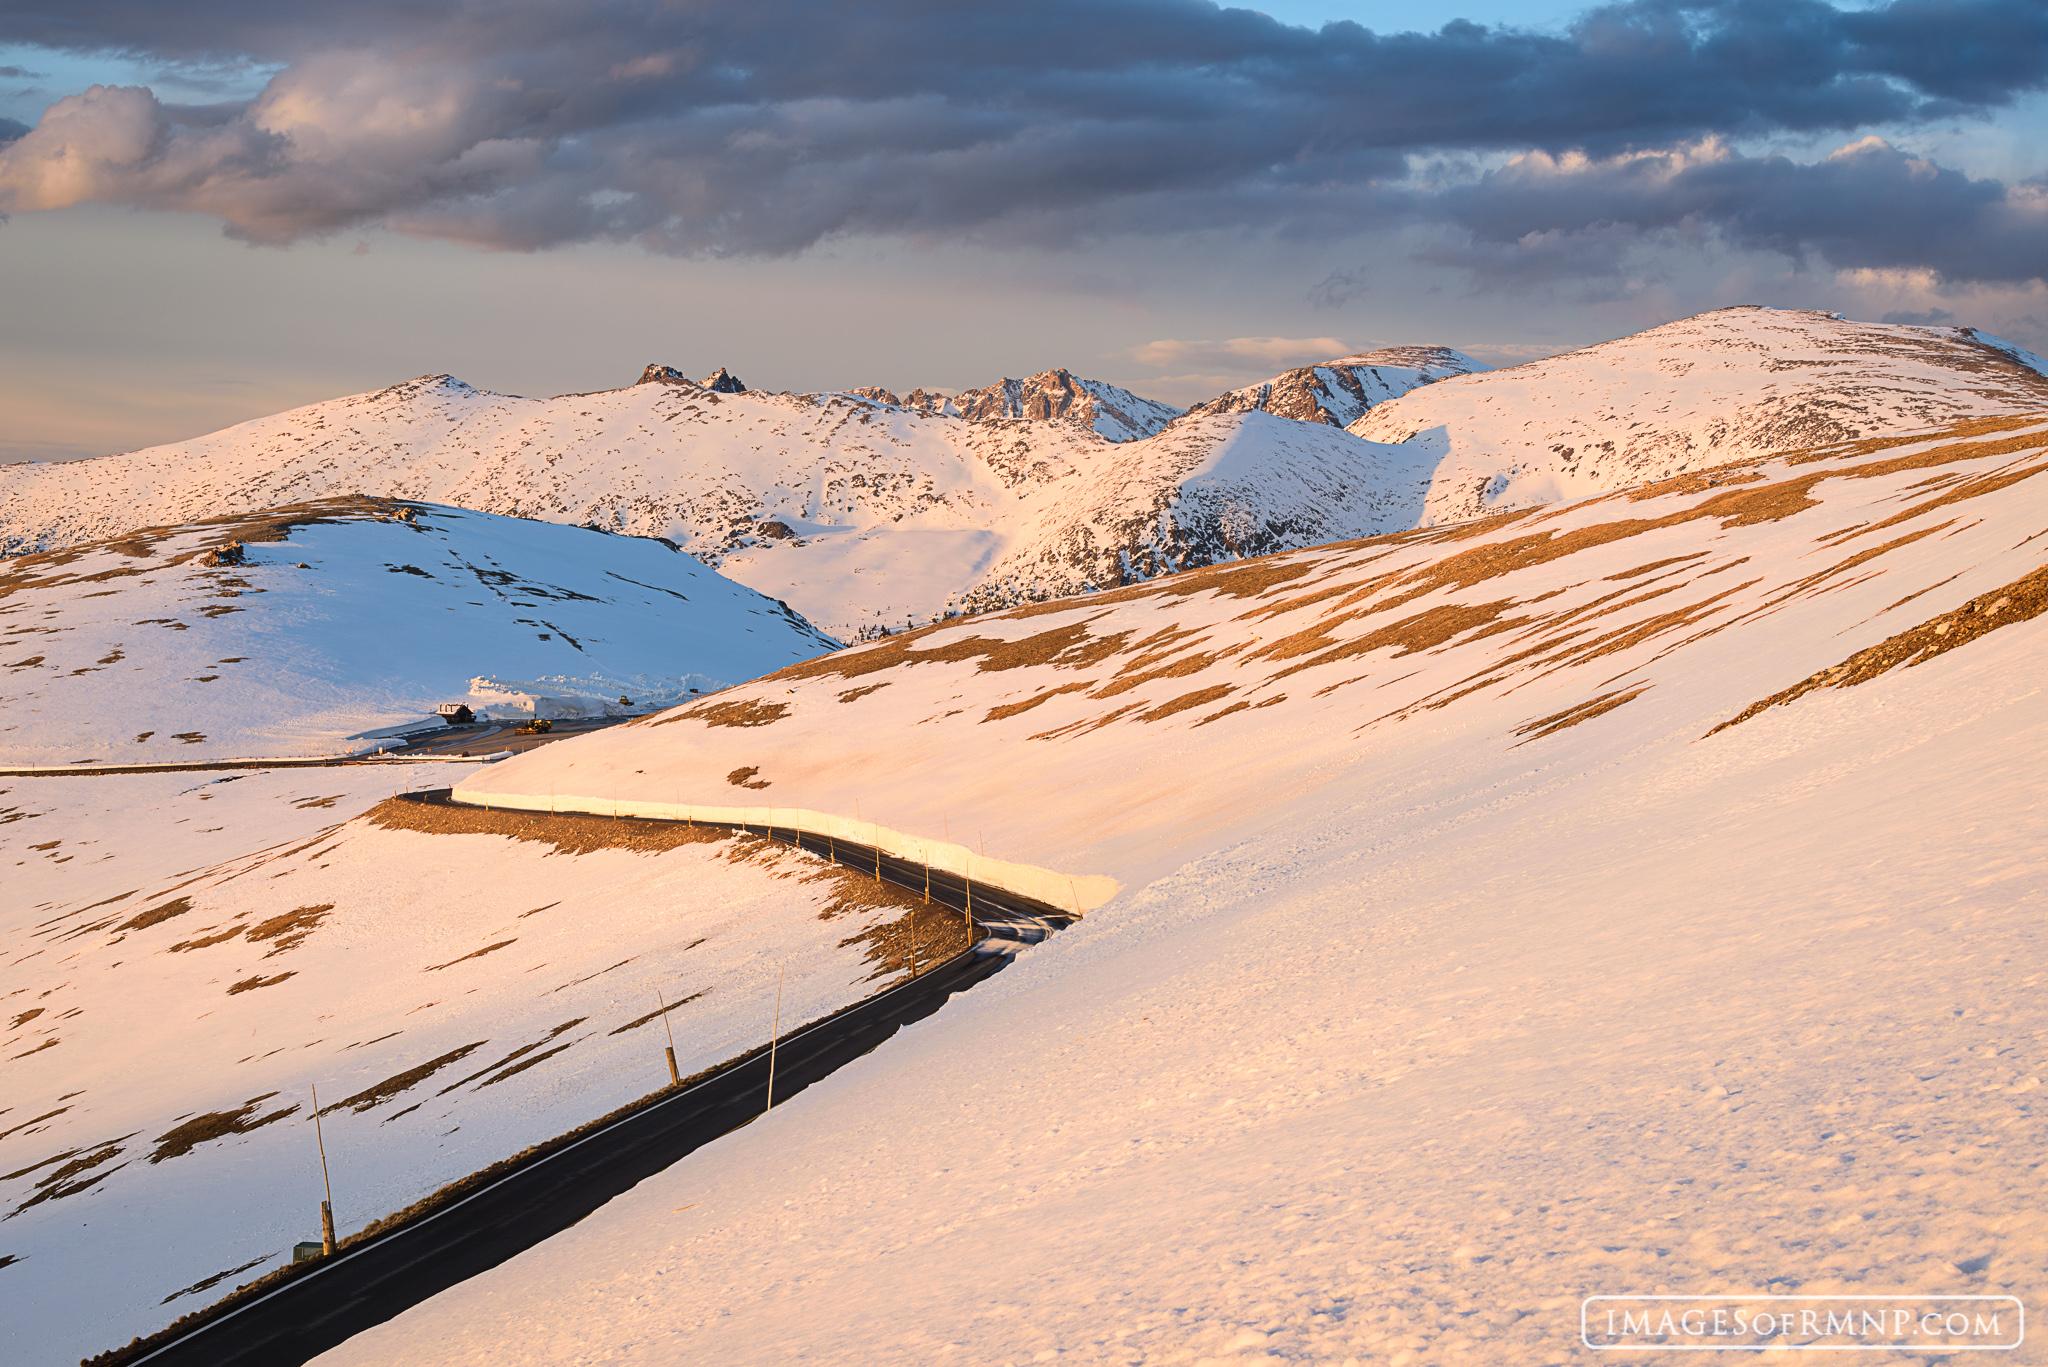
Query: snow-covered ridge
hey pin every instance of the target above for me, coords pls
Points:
(1341, 391)
(1056, 395)
(856, 513)
(1723, 586)
(1725, 385)
(290, 631)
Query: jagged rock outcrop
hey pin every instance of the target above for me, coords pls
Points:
(1342, 391)
(1061, 395)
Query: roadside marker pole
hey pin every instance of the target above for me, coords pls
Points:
(927, 875)
(326, 1206)
(970, 901)
(774, 1040)
(675, 1078)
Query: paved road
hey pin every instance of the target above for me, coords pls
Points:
(439, 747)
(376, 1280)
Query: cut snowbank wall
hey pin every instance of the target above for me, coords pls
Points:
(1076, 892)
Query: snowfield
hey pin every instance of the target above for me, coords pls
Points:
(458, 986)
(295, 631)
(1640, 894)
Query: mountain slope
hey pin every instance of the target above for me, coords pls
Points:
(1468, 960)
(457, 985)
(1720, 386)
(1340, 392)
(289, 631)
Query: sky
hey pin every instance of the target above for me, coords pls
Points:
(224, 208)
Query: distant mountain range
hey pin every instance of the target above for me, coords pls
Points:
(865, 509)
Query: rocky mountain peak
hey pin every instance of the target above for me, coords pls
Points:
(723, 381)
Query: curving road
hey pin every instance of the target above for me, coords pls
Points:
(374, 1281)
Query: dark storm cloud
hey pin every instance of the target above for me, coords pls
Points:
(1869, 206)
(763, 128)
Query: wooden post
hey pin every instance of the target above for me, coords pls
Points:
(774, 1040)
(675, 1078)
(970, 902)
(326, 1183)
(927, 877)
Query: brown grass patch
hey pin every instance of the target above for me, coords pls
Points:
(1201, 696)
(1578, 712)
(744, 778)
(568, 833)
(158, 914)
(2022, 600)
(291, 927)
(735, 712)
(400, 1083)
(1068, 647)
(1011, 709)
(251, 984)
(181, 1139)
(474, 954)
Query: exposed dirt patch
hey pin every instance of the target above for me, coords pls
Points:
(744, 778)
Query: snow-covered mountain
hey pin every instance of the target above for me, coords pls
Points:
(287, 632)
(866, 513)
(1642, 892)
(856, 513)
(1719, 386)
(1340, 392)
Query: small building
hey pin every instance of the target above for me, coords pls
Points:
(455, 713)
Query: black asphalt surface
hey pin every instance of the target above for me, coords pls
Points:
(477, 739)
(369, 1283)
